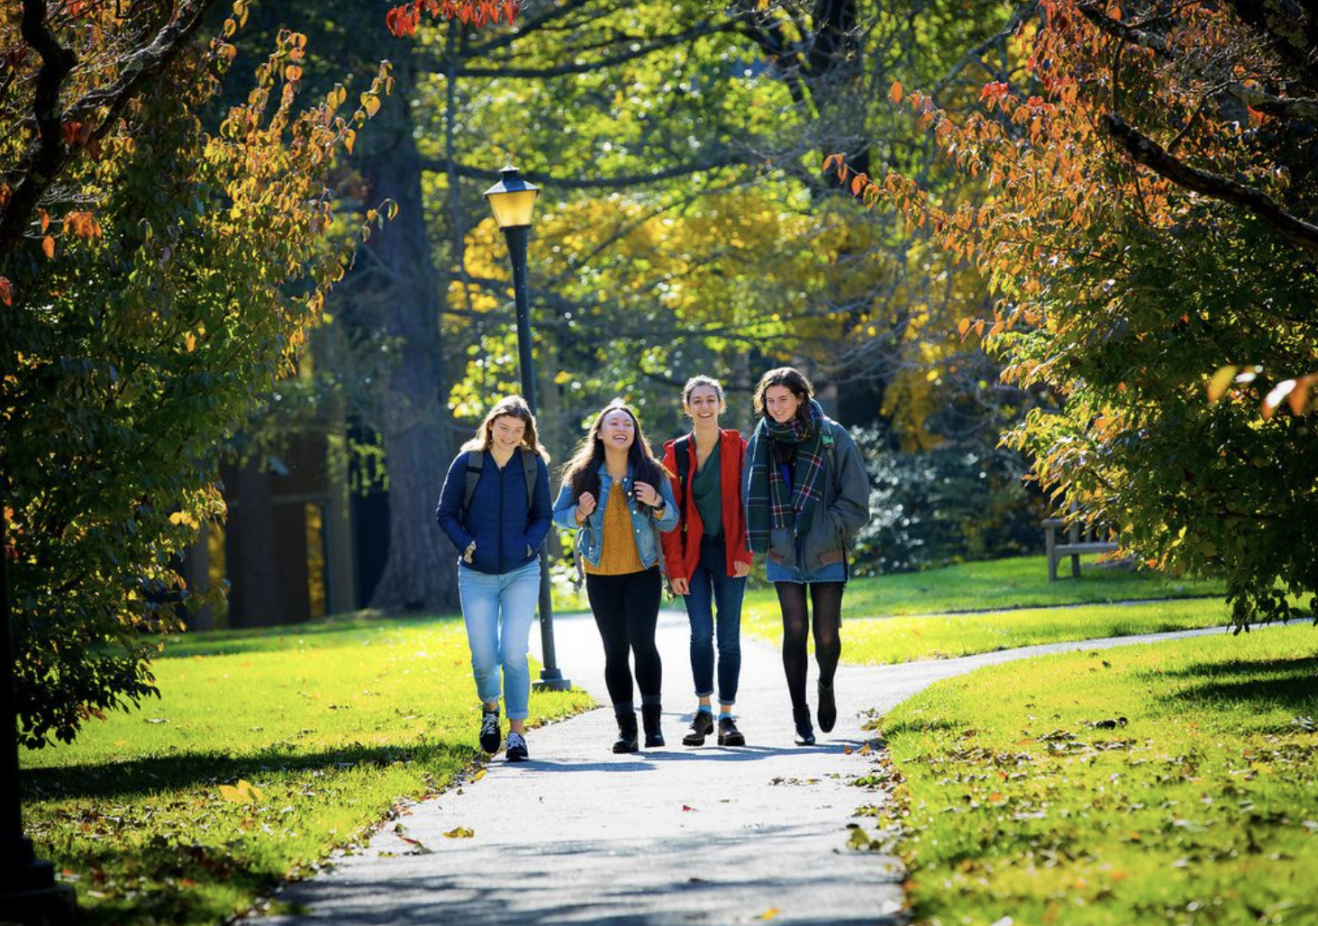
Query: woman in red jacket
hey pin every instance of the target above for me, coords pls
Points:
(706, 556)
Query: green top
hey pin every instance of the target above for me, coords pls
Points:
(707, 493)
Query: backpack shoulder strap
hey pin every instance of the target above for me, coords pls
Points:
(682, 454)
(475, 464)
(529, 471)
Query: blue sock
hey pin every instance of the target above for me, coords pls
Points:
(725, 713)
(707, 708)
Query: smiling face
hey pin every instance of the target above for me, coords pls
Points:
(703, 405)
(617, 430)
(507, 432)
(781, 403)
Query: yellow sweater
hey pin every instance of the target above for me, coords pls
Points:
(619, 556)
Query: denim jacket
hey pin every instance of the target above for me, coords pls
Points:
(645, 526)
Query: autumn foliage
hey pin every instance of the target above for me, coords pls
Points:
(1147, 230)
(158, 284)
(404, 18)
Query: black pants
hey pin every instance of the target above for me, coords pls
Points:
(626, 610)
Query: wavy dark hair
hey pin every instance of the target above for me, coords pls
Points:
(581, 472)
(794, 380)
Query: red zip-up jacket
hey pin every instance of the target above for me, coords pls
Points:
(682, 546)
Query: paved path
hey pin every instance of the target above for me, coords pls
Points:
(670, 836)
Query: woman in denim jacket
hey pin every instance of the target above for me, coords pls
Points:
(497, 532)
(617, 496)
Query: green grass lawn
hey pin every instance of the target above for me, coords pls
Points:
(928, 615)
(1165, 783)
(332, 723)
(1019, 582)
(878, 641)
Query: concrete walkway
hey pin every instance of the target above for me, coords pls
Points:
(669, 836)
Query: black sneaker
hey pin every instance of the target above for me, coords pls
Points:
(728, 734)
(516, 751)
(827, 708)
(701, 726)
(490, 736)
(805, 733)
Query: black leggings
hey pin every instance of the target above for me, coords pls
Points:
(626, 610)
(826, 598)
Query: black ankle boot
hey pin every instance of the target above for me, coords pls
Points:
(650, 714)
(827, 708)
(805, 732)
(626, 733)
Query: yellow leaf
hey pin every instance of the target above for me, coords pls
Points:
(461, 832)
(769, 913)
(230, 793)
(372, 105)
(191, 342)
(349, 137)
(1218, 383)
(479, 775)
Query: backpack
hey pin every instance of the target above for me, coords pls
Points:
(476, 463)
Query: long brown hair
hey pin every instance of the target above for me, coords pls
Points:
(582, 471)
(514, 406)
(795, 381)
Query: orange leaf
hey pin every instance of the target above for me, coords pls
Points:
(963, 326)
(6, 291)
(1299, 397)
(895, 93)
(45, 221)
(48, 246)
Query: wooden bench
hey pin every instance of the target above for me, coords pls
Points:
(1075, 546)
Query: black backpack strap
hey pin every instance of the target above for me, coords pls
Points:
(682, 453)
(475, 465)
(529, 471)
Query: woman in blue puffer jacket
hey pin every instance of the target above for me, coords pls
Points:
(496, 509)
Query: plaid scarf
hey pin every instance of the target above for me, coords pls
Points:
(767, 505)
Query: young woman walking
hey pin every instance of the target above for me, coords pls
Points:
(617, 496)
(706, 556)
(495, 508)
(807, 495)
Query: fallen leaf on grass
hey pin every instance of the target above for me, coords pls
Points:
(242, 793)
(461, 832)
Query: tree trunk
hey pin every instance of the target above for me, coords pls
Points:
(254, 600)
(419, 572)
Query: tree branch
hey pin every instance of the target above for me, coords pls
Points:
(1297, 107)
(1148, 152)
(975, 55)
(589, 67)
(721, 159)
(1123, 32)
(43, 162)
(41, 167)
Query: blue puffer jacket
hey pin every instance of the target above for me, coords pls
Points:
(507, 531)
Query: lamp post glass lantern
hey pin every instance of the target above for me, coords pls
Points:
(512, 200)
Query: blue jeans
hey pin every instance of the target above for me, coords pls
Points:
(710, 586)
(498, 610)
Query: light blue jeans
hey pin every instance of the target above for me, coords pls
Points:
(498, 610)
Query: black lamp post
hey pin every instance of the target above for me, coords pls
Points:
(512, 200)
(28, 892)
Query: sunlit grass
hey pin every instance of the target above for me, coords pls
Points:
(876, 641)
(1163, 783)
(1019, 582)
(332, 723)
